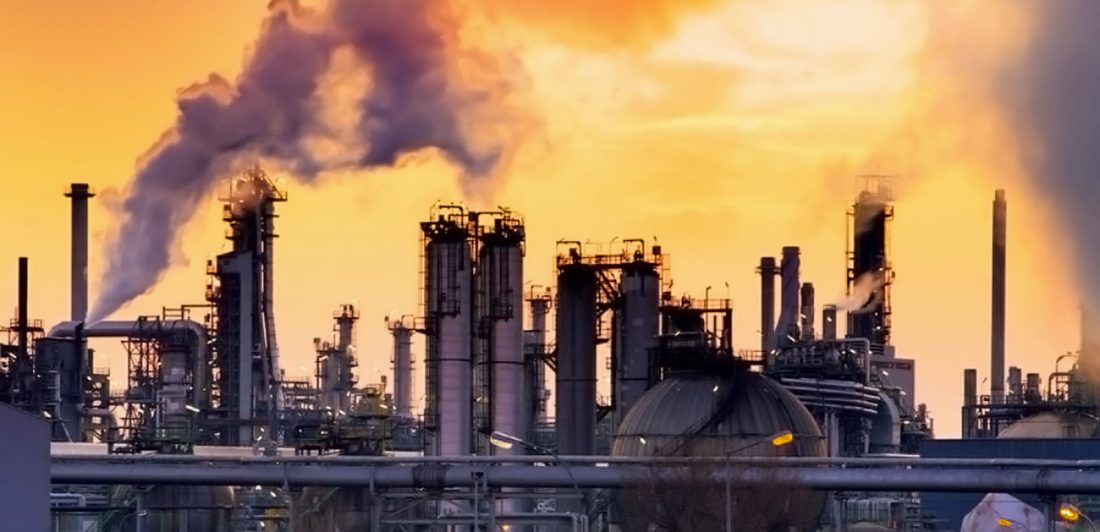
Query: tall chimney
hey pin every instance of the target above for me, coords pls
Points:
(808, 311)
(767, 304)
(828, 327)
(787, 329)
(24, 352)
(997, 337)
(79, 192)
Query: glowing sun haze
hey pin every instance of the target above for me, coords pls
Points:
(726, 129)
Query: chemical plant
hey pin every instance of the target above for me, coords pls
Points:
(207, 431)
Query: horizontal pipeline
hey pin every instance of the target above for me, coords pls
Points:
(431, 476)
(907, 461)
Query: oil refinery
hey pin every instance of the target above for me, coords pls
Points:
(814, 425)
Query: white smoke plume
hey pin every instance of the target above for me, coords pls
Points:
(426, 90)
(863, 295)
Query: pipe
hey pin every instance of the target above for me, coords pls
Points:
(997, 332)
(890, 478)
(767, 272)
(24, 324)
(786, 332)
(125, 329)
(80, 193)
(274, 371)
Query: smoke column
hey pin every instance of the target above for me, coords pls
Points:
(1053, 95)
(426, 91)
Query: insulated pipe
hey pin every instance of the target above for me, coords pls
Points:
(767, 304)
(891, 478)
(80, 193)
(124, 329)
(997, 332)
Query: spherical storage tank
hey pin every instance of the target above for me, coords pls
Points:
(1053, 425)
(736, 414)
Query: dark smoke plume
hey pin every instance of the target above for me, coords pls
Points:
(425, 91)
(1054, 95)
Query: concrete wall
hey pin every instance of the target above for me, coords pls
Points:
(24, 471)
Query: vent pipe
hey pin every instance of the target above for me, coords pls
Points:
(24, 348)
(970, 399)
(997, 336)
(767, 272)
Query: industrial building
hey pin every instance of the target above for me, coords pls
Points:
(511, 375)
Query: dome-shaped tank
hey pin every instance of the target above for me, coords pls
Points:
(201, 509)
(1052, 425)
(693, 414)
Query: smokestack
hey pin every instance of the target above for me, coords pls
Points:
(787, 330)
(997, 336)
(24, 352)
(79, 192)
(767, 304)
(808, 311)
(828, 328)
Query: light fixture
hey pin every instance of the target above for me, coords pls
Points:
(499, 442)
(641, 439)
(192, 408)
(1004, 522)
(782, 438)
(1069, 512)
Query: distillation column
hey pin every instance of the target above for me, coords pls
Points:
(402, 370)
(448, 312)
(997, 333)
(575, 415)
(637, 320)
(535, 340)
(786, 332)
(767, 272)
(500, 272)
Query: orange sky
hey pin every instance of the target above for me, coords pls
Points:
(727, 130)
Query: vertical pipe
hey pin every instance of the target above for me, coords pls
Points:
(997, 333)
(828, 326)
(24, 348)
(808, 311)
(79, 192)
(970, 399)
(575, 414)
(767, 304)
(786, 331)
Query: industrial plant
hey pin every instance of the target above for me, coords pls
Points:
(814, 425)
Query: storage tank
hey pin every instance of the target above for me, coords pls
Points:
(198, 509)
(737, 413)
(1052, 424)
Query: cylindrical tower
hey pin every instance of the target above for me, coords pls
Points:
(501, 276)
(828, 325)
(80, 193)
(402, 370)
(575, 415)
(869, 264)
(638, 314)
(535, 348)
(970, 400)
(787, 330)
(767, 272)
(997, 332)
(808, 311)
(448, 312)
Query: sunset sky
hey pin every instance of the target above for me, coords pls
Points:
(725, 129)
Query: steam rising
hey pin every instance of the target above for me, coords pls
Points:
(864, 294)
(1053, 95)
(426, 90)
